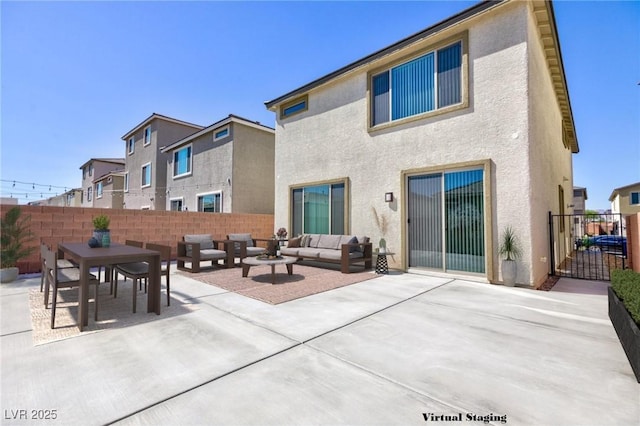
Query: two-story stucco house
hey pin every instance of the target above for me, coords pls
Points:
(625, 201)
(92, 169)
(145, 174)
(108, 192)
(448, 136)
(227, 167)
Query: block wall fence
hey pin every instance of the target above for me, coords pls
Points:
(54, 225)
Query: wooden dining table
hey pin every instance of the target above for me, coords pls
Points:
(87, 257)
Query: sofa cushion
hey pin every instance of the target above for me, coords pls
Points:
(241, 237)
(308, 252)
(255, 251)
(327, 241)
(212, 254)
(313, 240)
(205, 240)
(289, 251)
(336, 255)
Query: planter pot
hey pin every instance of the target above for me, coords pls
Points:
(8, 274)
(627, 331)
(509, 272)
(103, 237)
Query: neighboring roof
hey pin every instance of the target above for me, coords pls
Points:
(118, 161)
(580, 188)
(622, 188)
(118, 172)
(155, 116)
(231, 118)
(545, 19)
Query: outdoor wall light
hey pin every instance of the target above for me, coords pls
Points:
(388, 197)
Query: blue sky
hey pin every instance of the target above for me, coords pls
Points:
(76, 76)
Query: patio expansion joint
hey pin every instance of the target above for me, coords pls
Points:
(295, 344)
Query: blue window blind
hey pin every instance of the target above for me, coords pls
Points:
(381, 105)
(635, 198)
(221, 133)
(412, 87)
(182, 161)
(449, 77)
(294, 108)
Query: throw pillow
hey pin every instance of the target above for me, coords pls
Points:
(352, 249)
(293, 242)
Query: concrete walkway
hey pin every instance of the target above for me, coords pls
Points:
(398, 350)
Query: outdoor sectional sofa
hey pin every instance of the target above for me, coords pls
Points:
(343, 249)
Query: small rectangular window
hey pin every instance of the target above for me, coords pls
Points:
(222, 133)
(210, 203)
(176, 205)
(89, 193)
(126, 182)
(634, 197)
(99, 190)
(146, 175)
(147, 135)
(294, 107)
(131, 145)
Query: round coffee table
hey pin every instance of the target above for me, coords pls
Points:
(248, 262)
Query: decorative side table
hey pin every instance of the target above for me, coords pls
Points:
(381, 263)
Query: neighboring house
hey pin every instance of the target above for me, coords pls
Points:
(90, 170)
(448, 136)
(9, 201)
(108, 190)
(625, 201)
(145, 176)
(579, 208)
(226, 167)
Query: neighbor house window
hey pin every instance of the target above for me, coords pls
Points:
(210, 203)
(294, 107)
(182, 162)
(89, 193)
(126, 182)
(319, 209)
(131, 145)
(634, 198)
(90, 169)
(147, 135)
(176, 205)
(427, 83)
(222, 133)
(146, 175)
(99, 190)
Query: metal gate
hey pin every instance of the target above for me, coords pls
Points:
(587, 246)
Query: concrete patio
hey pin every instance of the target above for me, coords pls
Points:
(400, 349)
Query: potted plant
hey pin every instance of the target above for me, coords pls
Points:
(510, 250)
(101, 230)
(16, 233)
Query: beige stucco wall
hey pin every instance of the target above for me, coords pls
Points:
(331, 140)
(551, 164)
(253, 170)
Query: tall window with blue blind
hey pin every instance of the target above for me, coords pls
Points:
(424, 84)
(319, 209)
(182, 161)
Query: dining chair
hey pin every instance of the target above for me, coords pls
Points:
(56, 279)
(132, 243)
(62, 263)
(138, 271)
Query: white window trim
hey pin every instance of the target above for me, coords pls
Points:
(211, 193)
(190, 172)
(99, 193)
(131, 145)
(150, 177)
(144, 136)
(126, 182)
(171, 200)
(220, 130)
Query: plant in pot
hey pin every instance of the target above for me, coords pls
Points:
(16, 233)
(101, 230)
(510, 250)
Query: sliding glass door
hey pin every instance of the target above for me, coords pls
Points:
(446, 221)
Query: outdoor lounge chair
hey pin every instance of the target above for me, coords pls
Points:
(245, 246)
(202, 247)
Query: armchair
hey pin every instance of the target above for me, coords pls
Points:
(202, 247)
